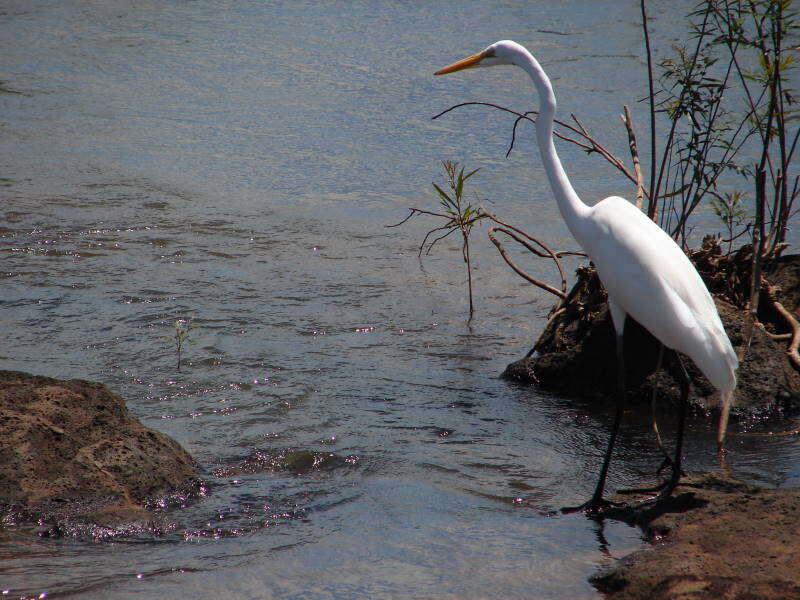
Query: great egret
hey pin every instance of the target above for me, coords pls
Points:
(645, 273)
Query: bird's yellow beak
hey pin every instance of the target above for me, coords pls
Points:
(465, 63)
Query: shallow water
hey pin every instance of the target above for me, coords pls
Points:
(239, 162)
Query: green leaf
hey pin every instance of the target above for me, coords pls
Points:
(471, 173)
(676, 192)
(443, 195)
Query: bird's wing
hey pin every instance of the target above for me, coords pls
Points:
(649, 276)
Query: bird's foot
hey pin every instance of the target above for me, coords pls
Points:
(668, 462)
(594, 506)
(659, 487)
(664, 490)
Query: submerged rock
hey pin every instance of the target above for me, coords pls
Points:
(291, 460)
(72, 456)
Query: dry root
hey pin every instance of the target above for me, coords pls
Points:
(768, 292)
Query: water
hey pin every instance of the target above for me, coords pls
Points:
(239, 162)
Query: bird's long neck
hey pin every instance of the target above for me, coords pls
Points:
(573, 210)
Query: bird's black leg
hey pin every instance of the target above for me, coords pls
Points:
(596, 503)
(683, 381)
(597, 498)
(667, 459)
(666, 487)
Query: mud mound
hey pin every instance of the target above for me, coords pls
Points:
(576, 354)
(716, 538)
(587, 367)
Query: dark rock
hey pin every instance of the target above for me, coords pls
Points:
(71, 453)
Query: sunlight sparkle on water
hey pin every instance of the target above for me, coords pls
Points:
(168, 158)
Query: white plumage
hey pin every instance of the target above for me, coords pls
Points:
(645, 272)
(650, 278)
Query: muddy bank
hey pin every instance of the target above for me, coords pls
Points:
(766, 381)
(715, 538)
(583, 342)
(73, 459)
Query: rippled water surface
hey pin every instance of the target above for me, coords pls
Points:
(238, 161)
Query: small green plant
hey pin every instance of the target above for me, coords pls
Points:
(729, 207)
(462, 216)
(183, 327)
(458, 216)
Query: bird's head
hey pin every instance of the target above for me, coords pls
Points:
(504, 52)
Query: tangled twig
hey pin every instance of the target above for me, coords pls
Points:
(545, 286)
(589, 145)
(447, 226)
(548, 253)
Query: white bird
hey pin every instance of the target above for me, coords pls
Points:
(645, 273)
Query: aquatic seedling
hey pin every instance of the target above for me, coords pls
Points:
(183, 327)
(461, 216)
(458, 215)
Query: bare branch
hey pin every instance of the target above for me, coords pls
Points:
(791, 320)
(418, 211)
(778, 337)
(548, 252)
(441, 237)
(602, 151)
(626, 118)
(517, 270)
(651, 208)
(411, 213)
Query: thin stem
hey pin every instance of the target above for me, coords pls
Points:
(465, 253)
(652, 204)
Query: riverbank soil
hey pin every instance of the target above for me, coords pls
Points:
(714, 538)
(73, 458)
